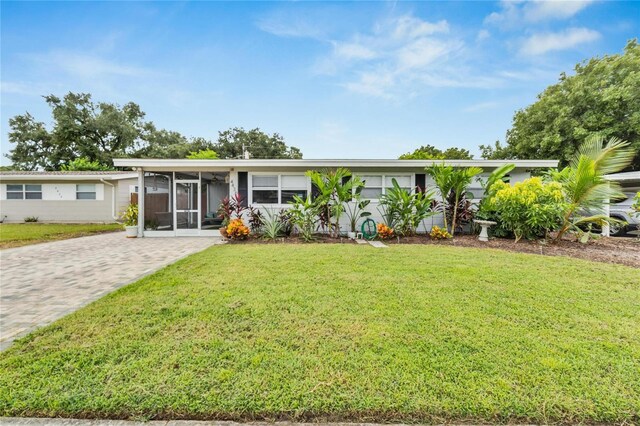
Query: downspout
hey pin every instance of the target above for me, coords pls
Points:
(113, 198)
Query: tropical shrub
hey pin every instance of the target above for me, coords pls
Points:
(335, 189)
(129, 216)
(231, 208)
(355, 210)
(286, 219)
(255, 220)
(384, 232)
(484, 210)
(452, 184)
(272, 226)
(404, 211)
(237, 230)
(465, 211)
(31, 219)
(438, 233)
(304, 216)
(530, 209)
(585, 188)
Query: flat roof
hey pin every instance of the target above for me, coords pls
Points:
(65, 175)
(625, 176)
(188, 164)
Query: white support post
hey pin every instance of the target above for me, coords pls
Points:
(605, 227)
(140, 203)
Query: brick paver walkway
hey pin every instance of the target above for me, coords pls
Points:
(43, 282)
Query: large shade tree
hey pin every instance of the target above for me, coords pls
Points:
(430, 152)
(97, 132)
(602, 97)
(85, 133)
(232, 143)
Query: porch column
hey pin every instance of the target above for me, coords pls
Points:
(140, 203)
(605, 227)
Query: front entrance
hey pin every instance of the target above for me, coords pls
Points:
(183, 203)
(186, 206)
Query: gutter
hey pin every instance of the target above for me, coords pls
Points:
(113, 199)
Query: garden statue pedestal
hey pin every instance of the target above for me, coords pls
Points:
(484, 224)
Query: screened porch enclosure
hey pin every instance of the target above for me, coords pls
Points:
(182, 203)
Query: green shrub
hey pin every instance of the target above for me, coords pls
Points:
(404, 211)
(272, 225)
(129, 216)
(529, 209)
(304, 215)
(31, 219)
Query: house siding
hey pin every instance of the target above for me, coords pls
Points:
(59, 203)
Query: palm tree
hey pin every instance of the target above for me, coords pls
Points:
(461, 179)
(585, 187)
(334, 190)
(450, 180)
(441, 175)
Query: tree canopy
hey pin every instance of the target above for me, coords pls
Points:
(82, 164)
(82, 129)
(259, 144)
(205, 154)
(602, 97)
(91, 134)
(429, 152)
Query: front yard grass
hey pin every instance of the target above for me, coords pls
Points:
(22, 234)
(344, 332)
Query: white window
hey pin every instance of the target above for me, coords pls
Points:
(376, 185)
(277, 189)
(265, 189)
(86, 191)
(24, 192)
(292, 185)
(373, 188)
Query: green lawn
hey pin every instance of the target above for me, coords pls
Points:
(345, 332)
(22, 234)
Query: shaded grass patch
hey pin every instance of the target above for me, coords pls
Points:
(22, 234)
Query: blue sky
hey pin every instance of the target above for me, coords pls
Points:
(338, 80)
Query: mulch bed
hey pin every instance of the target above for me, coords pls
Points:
(623, 251)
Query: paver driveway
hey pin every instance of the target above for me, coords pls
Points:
(43, 282)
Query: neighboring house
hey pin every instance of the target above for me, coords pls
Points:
(185, 194)
(621, 209)
(65, 196)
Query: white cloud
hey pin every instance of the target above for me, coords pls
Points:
(553, 9)
(408, 27)
(87, 66)
(538, 44)
(400, 57)
(397, 58)
(353, 51)
(375, 84)
(483, 35)
(290, 29)
(514, 13)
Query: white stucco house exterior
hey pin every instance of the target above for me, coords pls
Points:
(72, 197)
(271, 184)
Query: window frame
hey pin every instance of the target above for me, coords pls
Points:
(279, 188)
(94, 192)
(23, 191)
(384, 177)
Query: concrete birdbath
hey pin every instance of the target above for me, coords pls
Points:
(485, 225)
